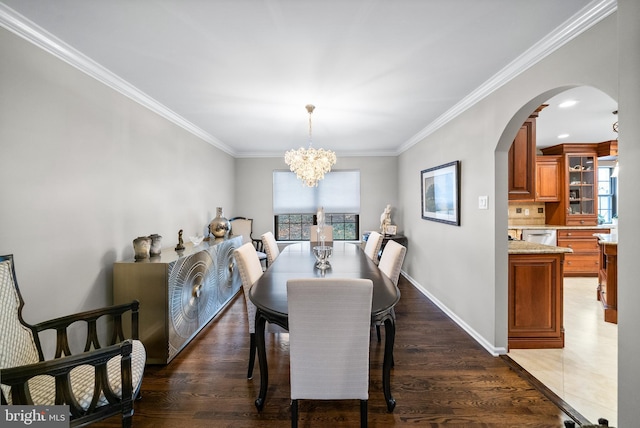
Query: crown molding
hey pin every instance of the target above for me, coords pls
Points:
(33, 33)
(380, 153)
(586, 18)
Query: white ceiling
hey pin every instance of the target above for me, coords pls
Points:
(381, 73)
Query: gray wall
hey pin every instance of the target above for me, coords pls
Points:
(378, 187)
(84, 171)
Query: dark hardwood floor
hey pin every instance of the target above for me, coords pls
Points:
(442, 377)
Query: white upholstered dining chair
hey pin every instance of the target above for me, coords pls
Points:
(372, 248)
(270, 247)
(391, 265)
(250, 271)
(329, 321)
(392, 259)
(328, 234)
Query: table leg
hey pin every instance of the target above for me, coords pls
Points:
(389, 339)
(262, 359)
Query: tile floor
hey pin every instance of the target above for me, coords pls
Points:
(584, 373)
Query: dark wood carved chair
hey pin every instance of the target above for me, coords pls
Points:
(244, 226)
(97, 383)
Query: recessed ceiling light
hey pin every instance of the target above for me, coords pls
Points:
(562, 136)
(568, 103)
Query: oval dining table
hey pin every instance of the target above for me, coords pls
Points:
(269, 294)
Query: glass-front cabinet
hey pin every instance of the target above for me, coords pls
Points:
(579, 202)
(582, 190)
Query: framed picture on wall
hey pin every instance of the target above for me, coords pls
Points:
(440, 193)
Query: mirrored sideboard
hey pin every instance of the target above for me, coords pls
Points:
(179, 293)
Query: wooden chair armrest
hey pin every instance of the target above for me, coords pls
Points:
(91, 317)
(17, 377)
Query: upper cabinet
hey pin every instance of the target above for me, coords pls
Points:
(548, 185)
(522, 161)
(579, 200)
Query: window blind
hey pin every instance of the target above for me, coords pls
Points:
(338, 192)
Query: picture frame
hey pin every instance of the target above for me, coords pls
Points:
(390, 229)
(440, 193)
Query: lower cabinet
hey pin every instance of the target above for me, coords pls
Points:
(535, 301)
(179, 293)
(585, 259)
(608, 282)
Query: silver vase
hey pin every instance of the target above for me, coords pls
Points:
(219, 226)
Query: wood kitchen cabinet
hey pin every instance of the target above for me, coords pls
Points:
(548, 184)
(585, 259)
(535, 301)
(522, 159)
(608, 280)
(578, 205)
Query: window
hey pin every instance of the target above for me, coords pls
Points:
(295, 227)
(295, 205)
(607, 194)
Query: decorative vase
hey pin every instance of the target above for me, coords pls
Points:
(219, 226)
(141, 247)
(156, 245)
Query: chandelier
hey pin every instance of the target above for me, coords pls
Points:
(310, 165)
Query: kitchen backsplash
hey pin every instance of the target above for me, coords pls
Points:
(526, 213)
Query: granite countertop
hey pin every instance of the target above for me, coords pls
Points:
(607, 238)
(525, 247)
(557, 226)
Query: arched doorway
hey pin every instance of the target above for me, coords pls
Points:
(576, 374)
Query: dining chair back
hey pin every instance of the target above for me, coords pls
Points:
(314, 236)
(270, 246)
(242, 226)
(392, 259)
(329, 320)
(372, 248)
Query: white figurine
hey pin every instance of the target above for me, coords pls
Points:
(385, 218)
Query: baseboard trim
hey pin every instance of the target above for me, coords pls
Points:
(493, 350)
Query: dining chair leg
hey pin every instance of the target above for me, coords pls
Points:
(363, 414)
(252, 355)
(294, 413)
